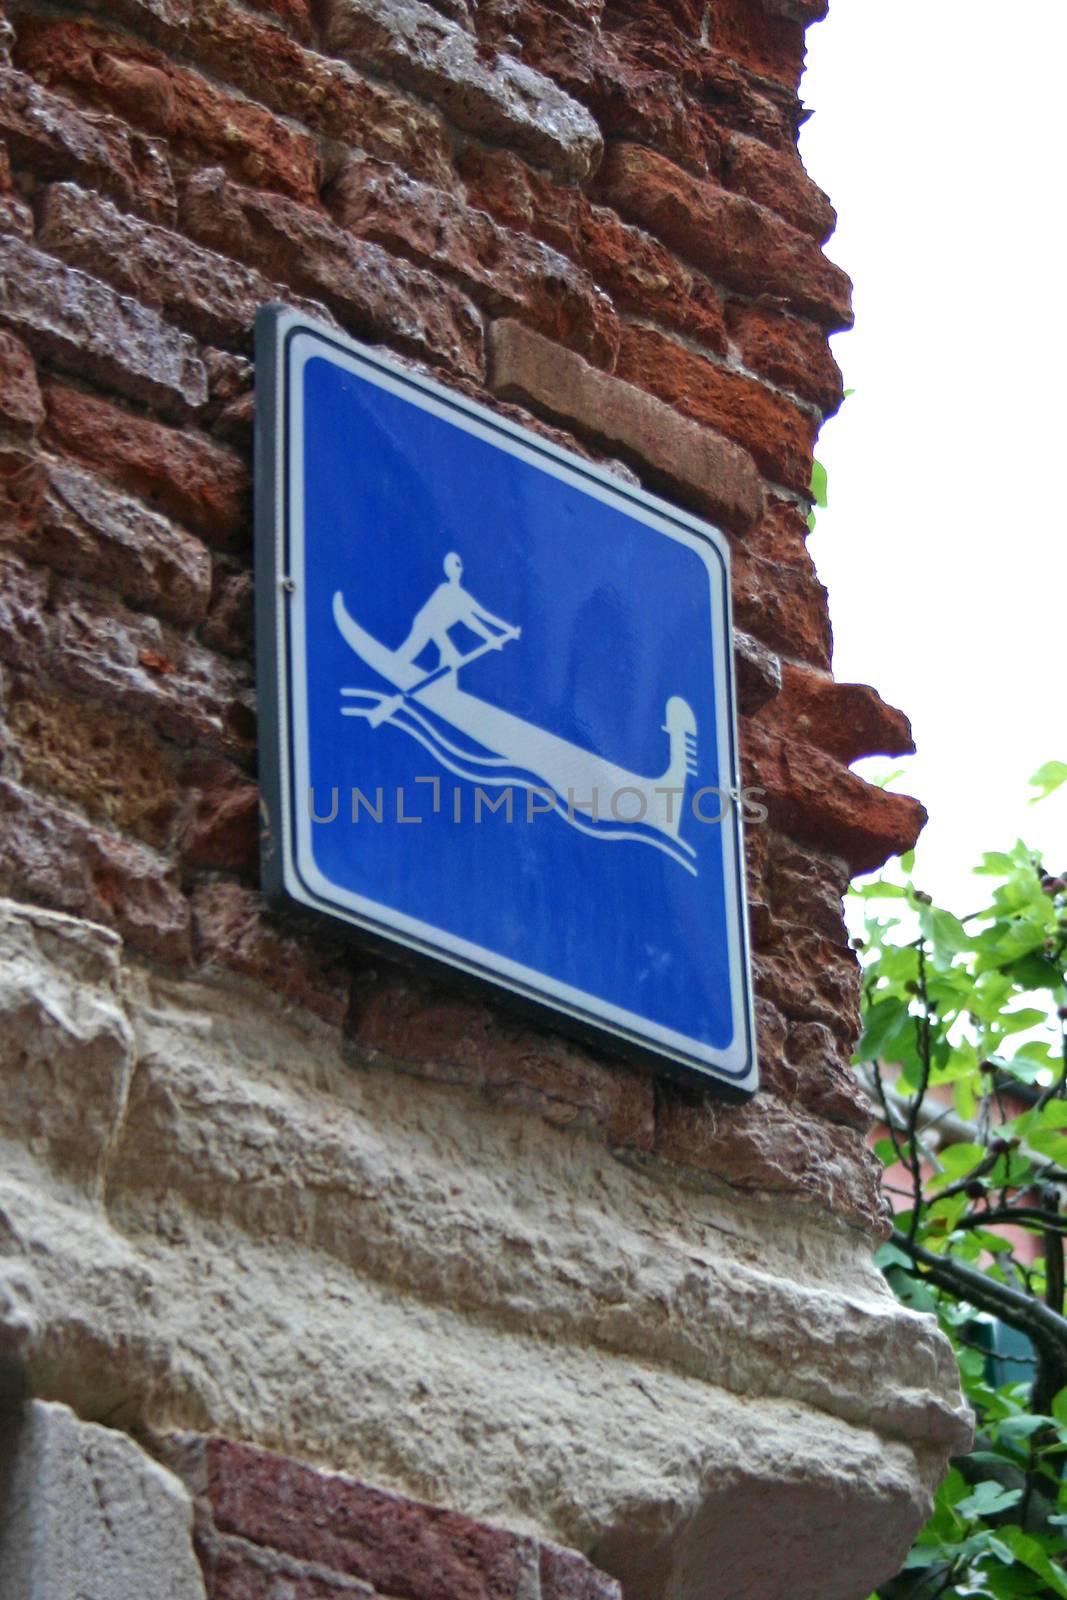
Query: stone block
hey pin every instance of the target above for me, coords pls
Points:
(88, 1516)
(494, 96)
(794, 354)
(21, 406)
(507, 272)
(209, 294)
(676, 455)
(84, 326)
(188, 476)
(847, 720)
(201, 123)
(375, 294)
(49, 135)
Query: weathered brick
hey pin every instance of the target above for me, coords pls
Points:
(764, 44)
(506, 272)
(848, 720)
(56, 858)
(679, 456)
(237, 1570)
(135, 662)
(21, 406)
(89, 531)
(403, 1548)
(219, 823)
(782, 536)
(327, 95)
(776, 433)
(805, 886)
(234, 930)
(826, 1083)
(498, 98)
(436, 1034)
(809, 978)
(22, 487)
(785, 606)
(184, 474)
(639, 274)
(777, 180)
(83, 325)
(385, 298)
(54, 139)
(109, 764)
(211, 295)
(24, 633)
(774, 1148)
(759, 673)
(568, 1576)
(813, 798)
(230, 621)
(202, 124)
(803, 11)
(738, 242)
(792, 353)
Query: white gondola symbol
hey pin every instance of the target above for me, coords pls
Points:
(588, 790)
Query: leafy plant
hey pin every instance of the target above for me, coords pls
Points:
(964, 1049)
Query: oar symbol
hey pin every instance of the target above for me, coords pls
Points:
(388, 708)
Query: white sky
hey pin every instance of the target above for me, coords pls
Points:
(938, 135)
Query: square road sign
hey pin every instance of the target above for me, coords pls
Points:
(497, 705)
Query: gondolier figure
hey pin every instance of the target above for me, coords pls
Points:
(448, 605)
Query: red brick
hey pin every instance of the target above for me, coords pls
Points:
(202, 484)
(108, 764)
(759, 673)
(785, 606)
(826, 1083)
(294, 14)
(782, 536)
(738, 242)
(83, 325)
(22, 486)
(638, 273)
(89, 531)
(230, 620)
(774, 1148)
(209, 294)
(328, 96)
(792, 353)
(406, 1550)
(137, 663)
(805, 886)
(24, 632)
(439, 1035)
(202, 124)
(767, 45)
(490, 95)
(219, 823)
(21, 406)
(57, 859)
(847, 720)
(54, 139)
(809, 978)
(567, 1576)
(813, 798)
(506, 272)
(384, 298)
(776, 433)
(236, 1570)
(681, 457)
(777, 180)
(234, 931)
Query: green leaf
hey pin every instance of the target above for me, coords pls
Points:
(987, 1498)
(907, 861)
(886, 1151)
(891, 1255)
(1025, 1548)
(884, 1022)
(818, 484)
(1048, 779)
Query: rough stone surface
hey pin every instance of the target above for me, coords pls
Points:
(88, 1516)
(849, 720)
(210, 295)
(682, 457)
(181, 472)
(737, 241)
(496, 96)
(21, 406)
(508, 1277)
(382, 297)
(54, 138)
(201, 124)
(83, 325)
(508, 273)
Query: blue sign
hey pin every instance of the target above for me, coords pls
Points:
(497, 705)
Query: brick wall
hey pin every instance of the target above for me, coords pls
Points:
(589, 214)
